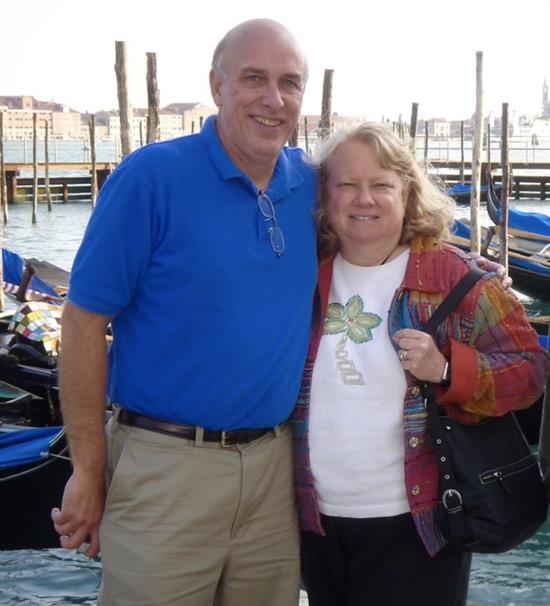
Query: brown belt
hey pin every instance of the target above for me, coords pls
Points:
(189, 432)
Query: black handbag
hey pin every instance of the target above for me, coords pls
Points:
(492, 496)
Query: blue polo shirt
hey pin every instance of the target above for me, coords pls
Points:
(210, 327)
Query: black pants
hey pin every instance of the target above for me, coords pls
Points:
(380, 562)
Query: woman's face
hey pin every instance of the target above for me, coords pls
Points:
(365, 202)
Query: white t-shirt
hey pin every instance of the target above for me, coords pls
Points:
(357, 393)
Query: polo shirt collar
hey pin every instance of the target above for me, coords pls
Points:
(285, 177)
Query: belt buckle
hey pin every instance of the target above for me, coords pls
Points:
(224, 442)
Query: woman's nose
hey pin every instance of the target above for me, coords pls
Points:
(364, 197)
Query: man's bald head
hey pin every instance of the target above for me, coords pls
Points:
(256, 28)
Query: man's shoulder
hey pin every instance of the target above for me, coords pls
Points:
(166, 149)
(298, 166)
(298, 158)
(161, 158)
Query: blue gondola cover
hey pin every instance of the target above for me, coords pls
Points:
(26, 446)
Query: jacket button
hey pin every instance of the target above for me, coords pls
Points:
(413, 442)
(415, 391)
(415, 490)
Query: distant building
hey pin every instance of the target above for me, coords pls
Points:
(175, 120)
(439, 127)
(18, 111)
(66, 124)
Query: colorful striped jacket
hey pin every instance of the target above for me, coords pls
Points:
(496, 365)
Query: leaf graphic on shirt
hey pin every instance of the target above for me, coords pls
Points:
(335, 322)
(351, 319)
(359, 330)
(354, 306)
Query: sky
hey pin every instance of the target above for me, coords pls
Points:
(386, 54)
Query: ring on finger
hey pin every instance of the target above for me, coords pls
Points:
(403, 355)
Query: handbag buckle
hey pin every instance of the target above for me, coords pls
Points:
(451, 493)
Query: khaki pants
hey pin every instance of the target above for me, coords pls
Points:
(192, 524)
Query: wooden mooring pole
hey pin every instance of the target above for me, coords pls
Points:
(412, 127)
(47, 166)
(34, 168)
(504, 162)
(325, 125)
(124, 105)
(475, 228)
(93, 193)
(3, 186)
(153, 99)
(462, 151)
(488, 147)
(426, 140)
(306, 135)
(293, 141)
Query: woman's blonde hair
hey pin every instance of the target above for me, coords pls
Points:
(429, 210)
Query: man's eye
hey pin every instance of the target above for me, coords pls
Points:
(253, 79)
(345, 185)
(292, 85)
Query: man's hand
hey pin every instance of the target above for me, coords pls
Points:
(80, 515)
(488, 265)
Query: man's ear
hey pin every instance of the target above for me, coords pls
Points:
(215, 84)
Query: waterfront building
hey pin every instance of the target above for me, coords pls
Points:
(18, 111)
(175, 120)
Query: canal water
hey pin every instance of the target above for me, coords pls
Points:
(57, 577)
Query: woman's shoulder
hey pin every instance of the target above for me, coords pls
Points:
(444, 262)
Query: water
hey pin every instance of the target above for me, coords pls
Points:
(56, 577)
(60, 151)
(439, 148)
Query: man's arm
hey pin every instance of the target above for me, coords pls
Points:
(82, 381)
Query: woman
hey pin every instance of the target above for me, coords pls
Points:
(366, 474)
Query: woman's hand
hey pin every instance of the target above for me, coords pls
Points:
(419, 355)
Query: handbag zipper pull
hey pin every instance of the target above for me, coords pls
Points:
(500, 478)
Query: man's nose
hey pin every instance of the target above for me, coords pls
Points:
(272, 96)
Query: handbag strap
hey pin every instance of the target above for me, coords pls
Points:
(453, 299)
(450, 494)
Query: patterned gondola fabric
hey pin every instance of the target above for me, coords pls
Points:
(38, 324)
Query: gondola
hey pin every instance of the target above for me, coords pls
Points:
(529, 259)
(34, 467)
(528, 245)
(521, 224)
(461, 192)
(34, 462)
(32, 279)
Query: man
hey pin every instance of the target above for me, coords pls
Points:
(201, 253)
